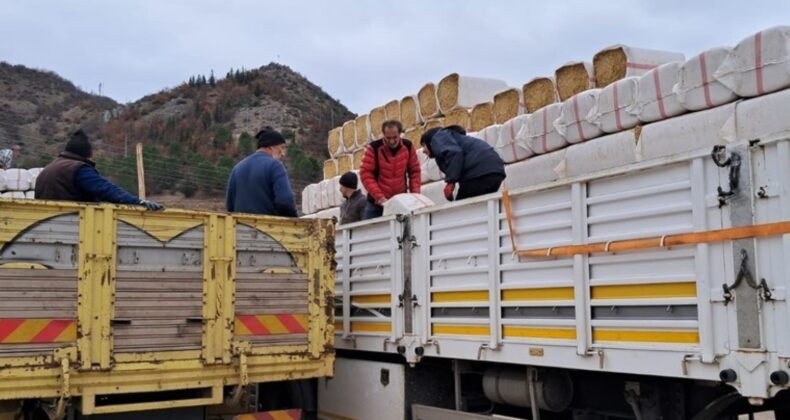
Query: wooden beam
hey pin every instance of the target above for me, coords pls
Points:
(140, 172)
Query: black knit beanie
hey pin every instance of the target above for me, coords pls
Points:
(269, 137)
(349, 180)
(79, 144)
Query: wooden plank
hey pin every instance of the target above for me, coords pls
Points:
(158, 287)
(136, 330)
(157, 313)
(37, 274)
(36, 294)
(155, 343)
(157, 296)
(271, 276)
(158, 275)
(40, 313)
(140, 171)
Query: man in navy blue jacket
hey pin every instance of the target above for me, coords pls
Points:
(73, 176)
(259, 184)
(465, 160)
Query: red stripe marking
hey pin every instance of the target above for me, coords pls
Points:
(51, 331)
(617, 121)
(660, 98)
(545, 123)
(290, 323)
(640, 66)
(703, 66)
(252, 324)
(575, 101)
(7, 326)
(758, 58)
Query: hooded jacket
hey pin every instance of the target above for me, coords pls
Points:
(462, 157)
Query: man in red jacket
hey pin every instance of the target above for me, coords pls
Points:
(390, 167)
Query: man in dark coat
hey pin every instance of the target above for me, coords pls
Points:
(465, 160)
(73, 176)
(353, 209)
(259, 184)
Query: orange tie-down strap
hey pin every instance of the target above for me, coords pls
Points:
(691, 238)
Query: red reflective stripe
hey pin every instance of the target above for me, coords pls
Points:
(616, 108)
(51, 331)
(252, 324)
(640, 66)
(660, 98)
(703, 65)
(7, 326)
(290, 323)
(758, 58)
(575, 102)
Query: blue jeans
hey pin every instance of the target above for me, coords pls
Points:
(372, 211)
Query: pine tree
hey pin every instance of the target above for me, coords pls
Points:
(211, 80)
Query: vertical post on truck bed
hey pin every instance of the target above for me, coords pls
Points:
(140, 172)
(406, 250)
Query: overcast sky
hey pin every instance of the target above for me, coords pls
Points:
(363, 53)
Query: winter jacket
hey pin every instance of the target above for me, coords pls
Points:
(386, 172)
(259, 185)
(353, 208)
(461, 157)
(72, 177)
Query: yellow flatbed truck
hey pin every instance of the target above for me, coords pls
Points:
(110, 309)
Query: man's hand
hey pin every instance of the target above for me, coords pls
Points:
(151, 205)
(448, 191)
(380, 202)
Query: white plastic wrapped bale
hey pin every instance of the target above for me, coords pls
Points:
(656, 98)
(539, 132)
(410, 111)
(759, 64)
(614, 101)
(764, 117)
(434, 192)
(575, 122)
(510, 147)
(310, 199)
(33, 176)
(490, 135)
(17, 179)
(429, 102)
(335, 142)
(30, 195)
(362, 126)
(350, 136)
(331, 213)
(2, 180)
(329, 194)
(574, 77)
(696, 88)
(600, 154)
(456, 91)
(431, 170)
(508, 104)
(406, 203)
(13, 194)
(620, 61)
(539, 92)
(537, 170)
(700, 130)
(422, 157)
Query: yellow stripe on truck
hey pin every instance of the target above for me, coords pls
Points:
(645, 291)
(645, 336)
(511, 331)
(370, 327)
(370, 299)
(462, 296)
(543, 293)
(460, 329)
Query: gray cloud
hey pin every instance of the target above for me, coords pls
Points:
(361, 52)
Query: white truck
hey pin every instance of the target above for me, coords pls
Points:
(642, 274)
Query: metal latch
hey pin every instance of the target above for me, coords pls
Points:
(744, 274)
(719, 156)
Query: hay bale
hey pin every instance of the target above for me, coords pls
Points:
(539, 92)
(576, 121)
(482, 116)
(574, 77)
(433, 123)
(363, 130)
(429, 102)
(356, 158)
(456, 91)
(696, 88)
(330, 168)
(410, 111)
(377, 117)
(507, 105)
(656, 98)
(458, 116)
(350, 136)
(392, 110)
(489, 134)
(540, 133)
(620, 61)
(612, 113)
(345, 163)
(759, 64)
(510, 146)
(416, 135)
(334, 141)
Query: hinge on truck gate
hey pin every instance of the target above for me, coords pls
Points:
(58, 410)
(719, 156)
(241, 349)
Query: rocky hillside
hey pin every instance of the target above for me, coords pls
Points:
(192, 134)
